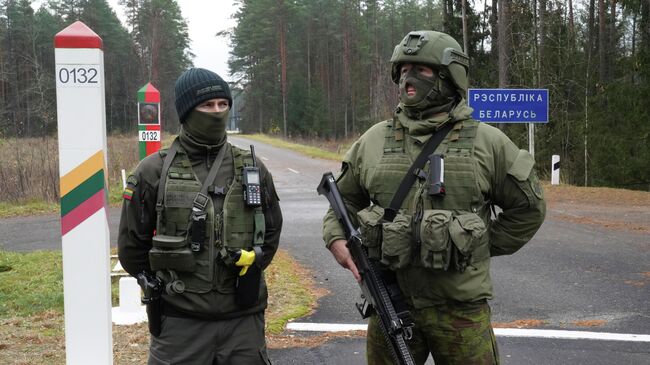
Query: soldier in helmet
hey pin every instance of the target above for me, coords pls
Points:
(438, 239)
(200, 222)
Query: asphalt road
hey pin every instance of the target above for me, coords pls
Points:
(568, 276)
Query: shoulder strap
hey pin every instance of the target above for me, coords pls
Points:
(411, 175)
(171, 153)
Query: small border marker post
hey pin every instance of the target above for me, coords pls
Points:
(555, 170)
(149, 134)
(81, 114)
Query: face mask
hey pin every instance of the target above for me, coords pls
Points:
(433, 94)
(207, 128)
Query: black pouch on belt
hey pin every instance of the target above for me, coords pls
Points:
(248, 285)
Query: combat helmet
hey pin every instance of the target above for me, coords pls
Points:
(435, 49)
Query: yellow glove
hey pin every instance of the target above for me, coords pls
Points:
(246, 259)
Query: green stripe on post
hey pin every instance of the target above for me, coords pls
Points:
(82, 192)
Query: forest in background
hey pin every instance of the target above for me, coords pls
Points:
(320, 68)
(152, 47)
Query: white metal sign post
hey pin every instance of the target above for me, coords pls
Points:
(82, 166)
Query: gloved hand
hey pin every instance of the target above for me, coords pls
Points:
(246, 259)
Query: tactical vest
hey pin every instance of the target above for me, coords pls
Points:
(435, 232)
(232, 228)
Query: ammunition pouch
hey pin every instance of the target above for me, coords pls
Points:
(397, 241)
(171, 253)
(449, 240)
(389, 241)
(468, 233)
(435, 248)
(370, 227)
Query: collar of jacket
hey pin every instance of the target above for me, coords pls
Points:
(196, 150)
(421, 130)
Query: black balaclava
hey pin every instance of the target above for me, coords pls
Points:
(435, 94)
(206, 128)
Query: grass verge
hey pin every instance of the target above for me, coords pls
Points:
(31, 308)
(310, 151)
(8, 210)
(34, 207)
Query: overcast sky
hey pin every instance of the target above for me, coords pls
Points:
(204, 20)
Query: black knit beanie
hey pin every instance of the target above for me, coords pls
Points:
(197, 85)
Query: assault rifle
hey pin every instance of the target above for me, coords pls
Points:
(379, 289)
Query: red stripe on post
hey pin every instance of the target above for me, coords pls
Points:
(77, 35)
(153, 146)
(82, 212)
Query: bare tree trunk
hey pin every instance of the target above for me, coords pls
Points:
(572, 35)
(445, 16)
(465, 48)
(495, 30)
(504, 44)
(542, 43)
(375, 70)
(611, 55)
(571, 22)
(283, 64)
(309, 59)
(602, 42)
(346, 65)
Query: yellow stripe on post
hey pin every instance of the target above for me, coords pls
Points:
(82, 173)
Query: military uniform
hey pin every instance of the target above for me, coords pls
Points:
(202, 321)
(440, 245)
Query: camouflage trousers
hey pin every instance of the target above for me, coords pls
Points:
(455, 334)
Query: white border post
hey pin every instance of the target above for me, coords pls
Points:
(81, 118)
(555, 170)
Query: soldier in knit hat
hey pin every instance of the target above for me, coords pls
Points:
(201, 268)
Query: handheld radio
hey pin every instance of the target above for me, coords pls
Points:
(436, 176)
(252, 187)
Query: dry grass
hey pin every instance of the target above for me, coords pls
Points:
(520, 323)
(39, 338)
(29, 173)
(591, 195)
(325, 149)
(591, 323)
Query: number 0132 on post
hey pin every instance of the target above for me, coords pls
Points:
(78, 76)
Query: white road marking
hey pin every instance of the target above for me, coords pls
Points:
(264, 158)
(292, 170)
(503, 332)
(571, 335)
(326, 327)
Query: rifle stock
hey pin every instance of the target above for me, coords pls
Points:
(379, 289)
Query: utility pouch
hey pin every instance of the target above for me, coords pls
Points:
(248, 287)
(466, 232)
(371, 227)
(171, 253)
(197, 236)
(396, 242)
(435, 249)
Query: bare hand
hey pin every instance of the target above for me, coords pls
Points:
(342, 255)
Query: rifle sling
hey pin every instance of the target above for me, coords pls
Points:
(411, 175)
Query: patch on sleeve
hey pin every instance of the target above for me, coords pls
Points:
(128, 194)
(132, 180)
